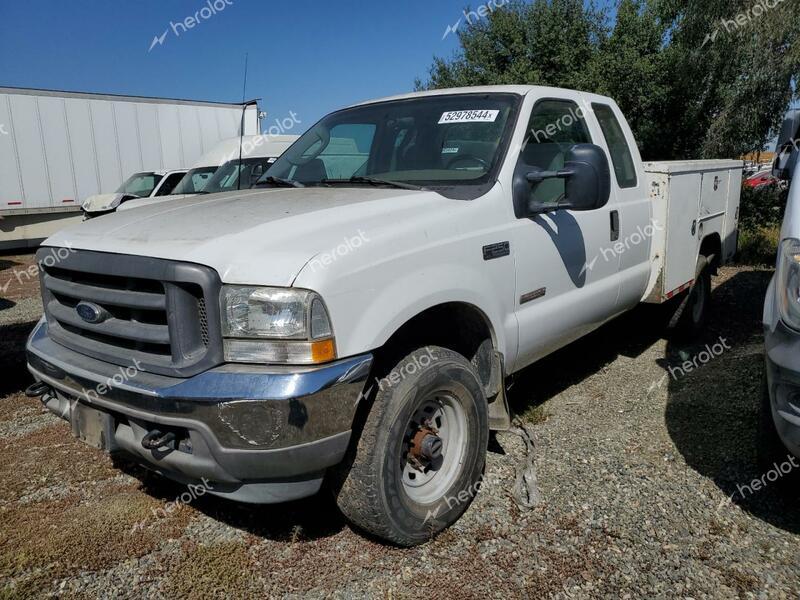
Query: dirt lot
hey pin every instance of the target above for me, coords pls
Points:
(640, 473)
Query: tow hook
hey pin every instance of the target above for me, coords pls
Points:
(157, 439)
(37, 390)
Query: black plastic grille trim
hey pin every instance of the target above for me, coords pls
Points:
(162, 314)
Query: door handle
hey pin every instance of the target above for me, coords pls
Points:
(614, 225)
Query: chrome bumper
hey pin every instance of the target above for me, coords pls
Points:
(261, 434)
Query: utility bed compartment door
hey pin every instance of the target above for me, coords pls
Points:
(714, 196)
(680, 261)
(731, 228)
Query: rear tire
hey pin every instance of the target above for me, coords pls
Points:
(691, 316)
(387, 488)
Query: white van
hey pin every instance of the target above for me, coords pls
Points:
(217, 170)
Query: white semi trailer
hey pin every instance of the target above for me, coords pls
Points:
(58, 148)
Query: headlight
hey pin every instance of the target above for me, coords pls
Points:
(788, 283)
(275, 325)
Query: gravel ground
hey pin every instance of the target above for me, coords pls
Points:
(639, 473)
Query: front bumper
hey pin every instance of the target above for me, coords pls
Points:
(258, 434)
(783, 382)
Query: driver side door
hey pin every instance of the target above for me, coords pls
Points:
(566, 274)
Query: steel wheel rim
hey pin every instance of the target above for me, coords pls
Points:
(449, 419)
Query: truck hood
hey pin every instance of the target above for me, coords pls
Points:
(261, 237)
(103, 202)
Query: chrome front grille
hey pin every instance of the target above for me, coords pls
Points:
(160, 314)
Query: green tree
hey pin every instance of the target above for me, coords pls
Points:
(731, 64)
(630, 67)
(691, 84)
(547, 42)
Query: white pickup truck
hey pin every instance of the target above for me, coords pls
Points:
(355, 317)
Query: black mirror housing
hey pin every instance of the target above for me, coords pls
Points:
(788, 147)
(589, 188)
(587, 176)
(785, 162)
(790, 129)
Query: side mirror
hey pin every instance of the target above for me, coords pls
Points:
(790, 129)
(785, 162)
(788, 147)
(587, 182)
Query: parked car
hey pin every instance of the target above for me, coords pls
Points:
(356, 317)
(258, 152)
(148, 184)
(761, 179)
(201, 172)
(780, 414)
(262, 147)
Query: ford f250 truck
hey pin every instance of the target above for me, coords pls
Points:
(354, 318)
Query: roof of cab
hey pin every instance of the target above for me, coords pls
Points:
(521, 90)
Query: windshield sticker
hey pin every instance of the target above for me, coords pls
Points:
(449, 150)
(469, 116)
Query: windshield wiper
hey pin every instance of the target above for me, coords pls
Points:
(376, 181)
(280, 182)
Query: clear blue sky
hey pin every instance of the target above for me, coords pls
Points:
(305, 56)
(309, 57)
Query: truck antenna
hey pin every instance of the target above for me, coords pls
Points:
(244, 86)
(241, 126)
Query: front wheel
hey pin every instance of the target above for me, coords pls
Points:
(420, 458)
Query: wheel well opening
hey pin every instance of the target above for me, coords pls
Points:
(457, 326)
(712, 246)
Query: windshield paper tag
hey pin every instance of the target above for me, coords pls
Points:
(469, 116)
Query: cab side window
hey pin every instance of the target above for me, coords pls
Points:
(621, 156)
(554, 127)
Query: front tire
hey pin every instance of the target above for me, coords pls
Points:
(419, 460)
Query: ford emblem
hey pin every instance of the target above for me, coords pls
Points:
(91, 313)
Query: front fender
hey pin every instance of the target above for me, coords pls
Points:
(406, 258)
(365, 316)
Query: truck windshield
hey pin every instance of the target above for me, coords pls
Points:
(194, 181)
(228, 175)
(430, 141)
(140, 184)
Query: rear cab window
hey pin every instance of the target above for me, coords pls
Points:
(621, 156)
